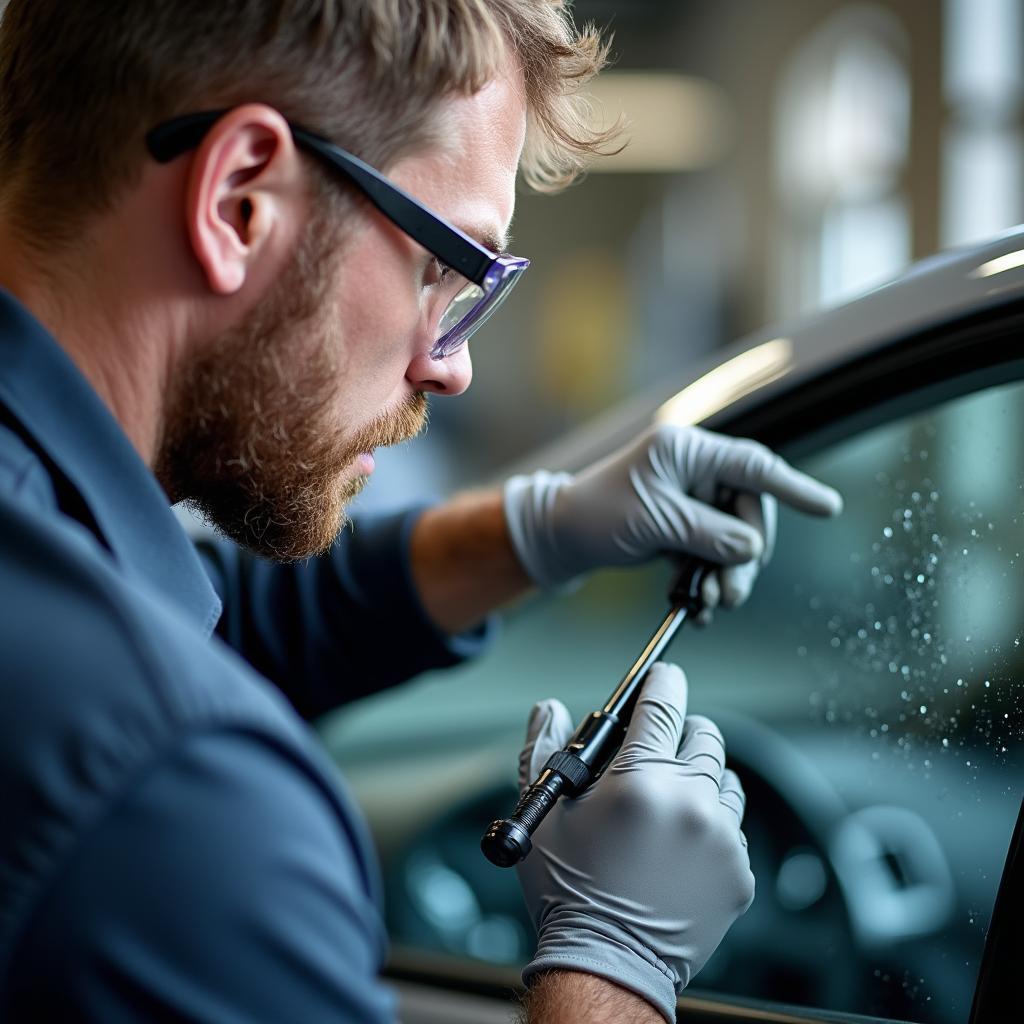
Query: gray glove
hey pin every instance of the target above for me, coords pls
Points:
(638, 879)
(656, 495)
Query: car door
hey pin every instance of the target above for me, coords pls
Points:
(870, 694)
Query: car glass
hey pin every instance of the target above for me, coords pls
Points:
(870, 697)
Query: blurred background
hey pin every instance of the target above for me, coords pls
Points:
(782, 156)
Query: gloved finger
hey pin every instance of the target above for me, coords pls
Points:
(749, 466)
(657, 723)
(702, 749)
(711, 596)
(717, 536)
(548, 729)
(704, 618)
(732, 795)
(737, 583)
(710, 592)
(762, 512)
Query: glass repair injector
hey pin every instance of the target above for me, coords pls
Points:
(571, 770)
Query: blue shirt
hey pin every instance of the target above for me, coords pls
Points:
(173, 842)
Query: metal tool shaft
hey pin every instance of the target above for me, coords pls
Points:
(624, 698)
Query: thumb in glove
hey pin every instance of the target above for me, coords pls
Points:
(547, 731)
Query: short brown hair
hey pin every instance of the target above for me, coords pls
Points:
(81, 81)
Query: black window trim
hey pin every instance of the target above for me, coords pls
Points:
(907, 375)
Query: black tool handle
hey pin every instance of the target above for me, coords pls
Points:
(569, 771)
(507, 841)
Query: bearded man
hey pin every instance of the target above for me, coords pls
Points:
(240, 245)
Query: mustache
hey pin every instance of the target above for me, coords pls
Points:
(394, 426)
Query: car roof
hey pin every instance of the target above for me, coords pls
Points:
(767, 364)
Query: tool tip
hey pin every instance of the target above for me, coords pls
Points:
(505, 844)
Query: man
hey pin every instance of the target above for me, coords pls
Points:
(205, 300)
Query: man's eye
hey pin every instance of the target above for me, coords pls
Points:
(441, 271)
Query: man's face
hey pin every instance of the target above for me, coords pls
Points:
(272, 429)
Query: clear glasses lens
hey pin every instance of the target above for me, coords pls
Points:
(497, 297)
(459, 308)
(467, 312)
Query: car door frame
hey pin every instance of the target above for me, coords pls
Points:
(895, 377)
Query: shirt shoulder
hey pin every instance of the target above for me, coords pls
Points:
(101, 682)
(218, 888)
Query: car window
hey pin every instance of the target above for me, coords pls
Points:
(870, 697)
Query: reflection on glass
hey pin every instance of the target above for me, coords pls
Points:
(1000, 265)
(728, 383)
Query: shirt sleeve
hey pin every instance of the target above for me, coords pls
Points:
(223, 886)
(338, 627)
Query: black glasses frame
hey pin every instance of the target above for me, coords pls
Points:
(451, 246)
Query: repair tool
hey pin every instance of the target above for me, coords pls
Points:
(572, 769)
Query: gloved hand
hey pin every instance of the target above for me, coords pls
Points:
(638, 879)
(656, 495)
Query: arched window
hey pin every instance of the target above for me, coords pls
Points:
(842, 138)
(983, 147)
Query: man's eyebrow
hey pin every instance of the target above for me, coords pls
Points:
(495, 241)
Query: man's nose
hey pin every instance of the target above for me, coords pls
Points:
(448, 376)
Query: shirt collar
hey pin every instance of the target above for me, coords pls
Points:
(48, 395)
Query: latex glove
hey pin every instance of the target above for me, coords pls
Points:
(638, 879)
(656, 495)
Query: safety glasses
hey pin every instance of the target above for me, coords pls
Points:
(473, 281)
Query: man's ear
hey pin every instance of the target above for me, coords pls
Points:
(244, 186)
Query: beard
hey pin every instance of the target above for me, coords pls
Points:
(251, 437)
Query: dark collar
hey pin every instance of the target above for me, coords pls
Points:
(58, 409)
